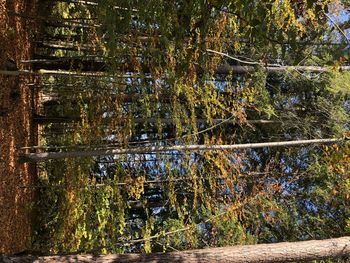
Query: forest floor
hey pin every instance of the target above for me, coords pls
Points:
(16, 130)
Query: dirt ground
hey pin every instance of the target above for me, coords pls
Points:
(16, 130)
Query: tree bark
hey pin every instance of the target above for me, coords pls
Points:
(39, 119)
(262, 253)
(221, 70)
(95, 3)
(101, 65)
(37, 157)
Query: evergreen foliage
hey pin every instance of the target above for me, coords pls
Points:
(150, 79)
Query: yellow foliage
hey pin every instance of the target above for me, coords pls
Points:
(135, 185)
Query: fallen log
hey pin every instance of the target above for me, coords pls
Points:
(262, 253)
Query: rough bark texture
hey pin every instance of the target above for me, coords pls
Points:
(279, 252)
(17, 102)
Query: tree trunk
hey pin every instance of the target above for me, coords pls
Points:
(39, 119)
(262, 253)
(95, 3)
(101, 65)
(154, 149)
(63, 46)
(221, 70)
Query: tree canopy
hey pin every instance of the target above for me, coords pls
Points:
(127, 75)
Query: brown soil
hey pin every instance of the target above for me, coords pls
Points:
(16, 131)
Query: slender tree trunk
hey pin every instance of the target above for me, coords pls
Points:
(222, 70)
(262, 253)
(48, 120)
(98, 64)
(201, 121)
(64, 46)
(59, 73)
(71, 24)
(95, 3)
(59, 37)
(228, 69)
(83, 2)
(154, 149)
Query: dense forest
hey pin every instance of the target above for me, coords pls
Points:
(176, 125)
